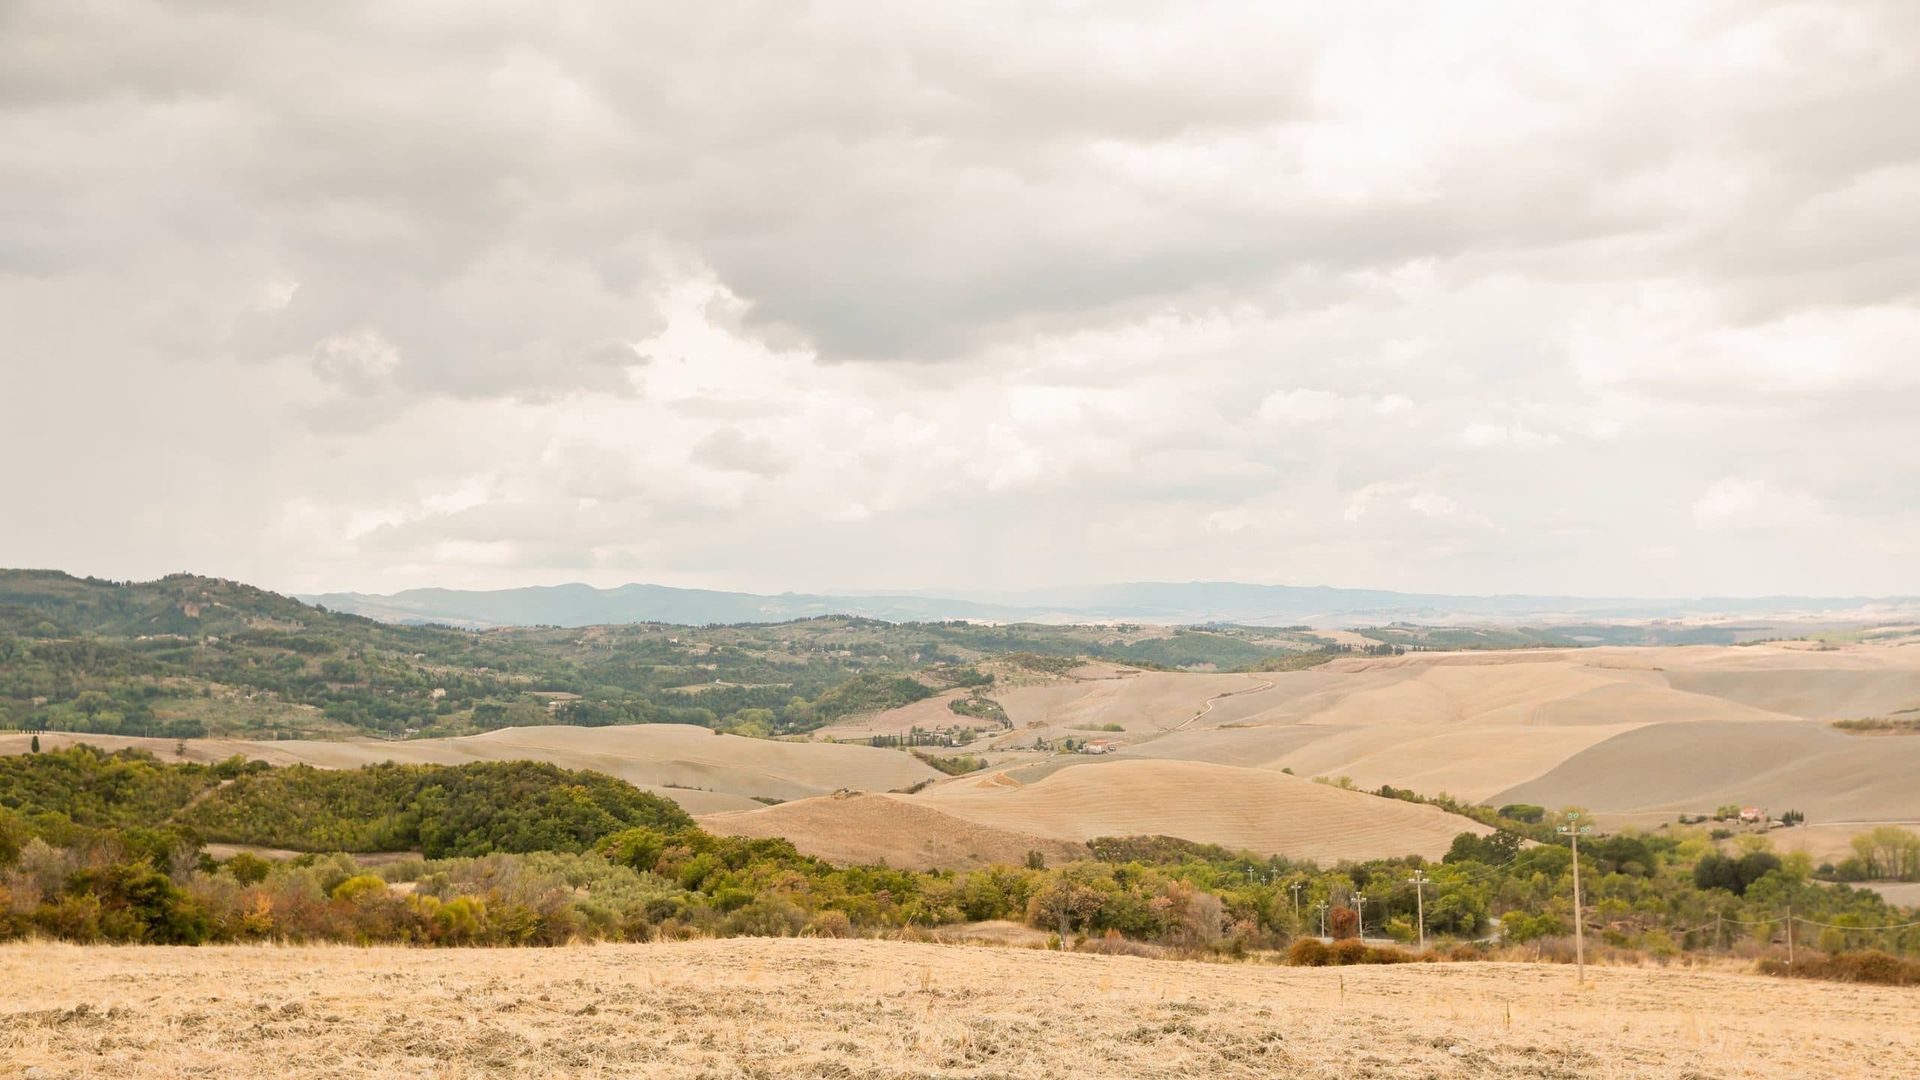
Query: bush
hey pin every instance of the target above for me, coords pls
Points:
(248, 868)
(359, 888)
(1867, 966)
(1309, 952)
(1350, 951)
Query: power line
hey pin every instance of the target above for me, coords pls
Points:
(1844, 926)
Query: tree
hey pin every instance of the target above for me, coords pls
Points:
(1343, 922)
(1493, 850)
(34, 747)
(1889, 852)
(1717, 871)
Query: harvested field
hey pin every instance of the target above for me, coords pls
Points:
(1145, 703)
(788, 1008)
(1252, 809)
(897, 830)
(931, 714)
(1804, 765)
(1616, 729)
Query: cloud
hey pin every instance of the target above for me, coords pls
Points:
(352, 295)
(356, 364)
(1744, 504)
(1401, 496)
(1482, 433)
(732, 450)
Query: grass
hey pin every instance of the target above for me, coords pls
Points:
(796, 1008)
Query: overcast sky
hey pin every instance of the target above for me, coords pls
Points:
(1471, 297)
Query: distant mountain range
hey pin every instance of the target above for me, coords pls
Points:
(1145, 602)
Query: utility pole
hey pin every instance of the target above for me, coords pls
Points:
(1419, 880)
(1362, 903)
(1296, 901)
(1323, 918)
(1789, 940)
(1572, 830)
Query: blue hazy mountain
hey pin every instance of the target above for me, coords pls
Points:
(1150, 602)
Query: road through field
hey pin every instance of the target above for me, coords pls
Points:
(1207, 706)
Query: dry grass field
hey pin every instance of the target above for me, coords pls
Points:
(1247, 809)
(1147, 702)
(996, 816)
(1635, 734)
(932, 714)
(791, 1008)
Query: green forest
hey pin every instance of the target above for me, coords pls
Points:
(187, 656)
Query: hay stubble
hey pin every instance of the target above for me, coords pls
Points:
(810, 1008)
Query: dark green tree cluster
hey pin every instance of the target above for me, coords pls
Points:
(441, 810)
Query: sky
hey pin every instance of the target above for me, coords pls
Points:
(1614, 299)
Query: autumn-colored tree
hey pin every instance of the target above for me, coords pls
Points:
(1343, 922)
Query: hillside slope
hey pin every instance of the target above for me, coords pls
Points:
(896, 830)
(1256, 810)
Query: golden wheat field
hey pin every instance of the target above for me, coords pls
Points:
(820, 1008)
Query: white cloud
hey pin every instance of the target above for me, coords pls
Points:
(1483, 433)
(1406, 496)
(1742, 503)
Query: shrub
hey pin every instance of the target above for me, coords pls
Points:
(360, 887)
(831, 923)
(1309, 952)
(248, 868)
(1350, 951)
(1867, 966)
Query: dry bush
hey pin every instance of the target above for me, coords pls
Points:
(1115, 945)
(1349, 951)
(1310, 952)
(1867, 966)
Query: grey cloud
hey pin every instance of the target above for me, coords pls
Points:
(732, 450)
(311, 263)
